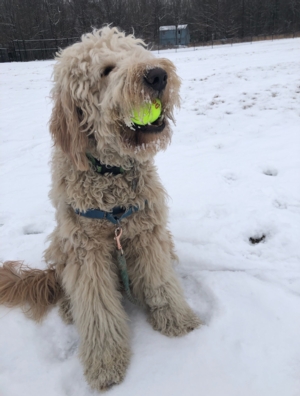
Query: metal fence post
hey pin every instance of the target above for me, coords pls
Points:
(15, 50)
(20, 53)
(25, 50)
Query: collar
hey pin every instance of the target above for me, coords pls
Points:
(102, 168)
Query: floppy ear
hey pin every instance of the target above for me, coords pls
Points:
(66, 130)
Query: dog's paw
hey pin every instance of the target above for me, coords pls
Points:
(172, 323)
(102, 372)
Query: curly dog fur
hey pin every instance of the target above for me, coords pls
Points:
(97, 83)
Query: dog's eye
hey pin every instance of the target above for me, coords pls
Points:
(107, 70)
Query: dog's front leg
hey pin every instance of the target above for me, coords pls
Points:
(154, 280)
(99, 317)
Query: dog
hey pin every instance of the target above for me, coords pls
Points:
(110, 204)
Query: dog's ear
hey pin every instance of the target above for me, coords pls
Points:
(66, 130)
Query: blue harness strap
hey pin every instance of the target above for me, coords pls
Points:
(115, 216)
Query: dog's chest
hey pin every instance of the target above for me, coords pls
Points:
(87, 190)
(128, 184)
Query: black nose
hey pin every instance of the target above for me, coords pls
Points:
(156, 78)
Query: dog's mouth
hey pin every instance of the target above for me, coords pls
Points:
(156, 127)
(153, 135)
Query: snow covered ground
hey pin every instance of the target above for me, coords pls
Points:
(233, 173)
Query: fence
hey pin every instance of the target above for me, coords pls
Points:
(4, 55)
(29, 50)
(233, 40)
(250, 39)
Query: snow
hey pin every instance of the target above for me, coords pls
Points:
(172, 27)
(232, 173)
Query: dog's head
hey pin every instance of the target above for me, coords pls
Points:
(98, 83)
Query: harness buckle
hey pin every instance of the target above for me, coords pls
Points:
(118, 233)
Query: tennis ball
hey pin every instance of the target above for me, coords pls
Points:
(147, 113)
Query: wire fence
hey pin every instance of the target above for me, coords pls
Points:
(42, 49)
(230, 41)
(29, 50)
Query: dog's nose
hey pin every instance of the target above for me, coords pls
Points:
(156, 78)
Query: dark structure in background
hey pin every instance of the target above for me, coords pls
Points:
(43, 20)
(174, 35)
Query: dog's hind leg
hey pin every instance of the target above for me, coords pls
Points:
(57, 259)
(92, 285)
(154, 281)
(65, 309)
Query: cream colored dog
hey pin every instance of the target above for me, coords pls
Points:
(104, 177)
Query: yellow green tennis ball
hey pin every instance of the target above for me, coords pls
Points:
(147, 113)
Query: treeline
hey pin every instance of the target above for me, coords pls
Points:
(207, 19)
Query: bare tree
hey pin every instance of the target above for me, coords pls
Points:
(37, 19)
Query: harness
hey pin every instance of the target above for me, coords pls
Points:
(118, 213)
(115, 216)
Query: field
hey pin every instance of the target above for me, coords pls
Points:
(233, 176)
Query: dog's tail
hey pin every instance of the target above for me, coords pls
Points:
(35, 291)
